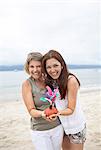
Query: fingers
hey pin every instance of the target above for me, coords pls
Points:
(49, 118)
(45, 117)
(53, 117)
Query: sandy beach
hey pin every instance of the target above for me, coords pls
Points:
(15, 124)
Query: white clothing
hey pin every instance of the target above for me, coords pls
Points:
(48, 139)
(75, 122)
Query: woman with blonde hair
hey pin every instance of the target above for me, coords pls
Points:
(46, 134)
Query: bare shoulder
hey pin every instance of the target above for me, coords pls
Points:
(26, 84)
(72, 81)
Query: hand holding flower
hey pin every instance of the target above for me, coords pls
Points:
(50, 96)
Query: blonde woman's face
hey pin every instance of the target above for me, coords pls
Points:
(35, 69)
(53, 67)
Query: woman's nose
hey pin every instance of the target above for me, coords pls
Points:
(52, 69)
(35, 69)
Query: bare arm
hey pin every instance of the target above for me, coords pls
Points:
(73, 87)
(28, 100)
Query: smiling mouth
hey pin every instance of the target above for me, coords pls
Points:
(35, 73)
(54, 74)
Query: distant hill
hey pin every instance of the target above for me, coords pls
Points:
(71, 66)
(11, 68)
(76, 66)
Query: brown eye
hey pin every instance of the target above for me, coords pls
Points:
(55, 65)
(31, 66)
(39, 66)
(48, 67)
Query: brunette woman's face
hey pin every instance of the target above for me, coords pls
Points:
(35, 69)
(54, 68)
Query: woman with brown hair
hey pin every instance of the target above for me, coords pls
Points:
(58, 76)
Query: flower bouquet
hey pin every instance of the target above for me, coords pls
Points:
(50, 96)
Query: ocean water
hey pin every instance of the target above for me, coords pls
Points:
(11, 82)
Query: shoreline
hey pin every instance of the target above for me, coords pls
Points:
(17, 97)
(15, 123)
(90, 89)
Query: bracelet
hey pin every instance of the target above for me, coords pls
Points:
(31, 109)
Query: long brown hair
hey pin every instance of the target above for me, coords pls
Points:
(63, 78)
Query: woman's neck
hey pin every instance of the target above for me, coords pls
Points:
(39, 82)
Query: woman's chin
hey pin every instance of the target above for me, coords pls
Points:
(54, 77)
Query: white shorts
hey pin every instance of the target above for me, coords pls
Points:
(48, 139)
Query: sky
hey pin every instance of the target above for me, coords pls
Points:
(71, 27)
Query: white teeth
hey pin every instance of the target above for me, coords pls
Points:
(54, 74)
(35, 73)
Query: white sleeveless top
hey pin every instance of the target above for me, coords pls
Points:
(75, 122)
